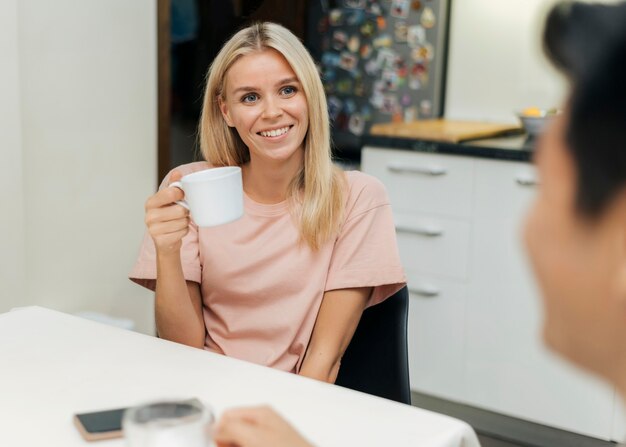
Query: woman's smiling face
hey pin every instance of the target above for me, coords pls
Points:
(264, 101)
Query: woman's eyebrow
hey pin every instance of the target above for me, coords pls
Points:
(291, 80)
(245, 88)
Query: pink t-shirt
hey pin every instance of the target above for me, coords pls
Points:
(262, 288)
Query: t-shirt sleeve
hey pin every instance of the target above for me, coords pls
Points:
(366, 250)
(144, 270)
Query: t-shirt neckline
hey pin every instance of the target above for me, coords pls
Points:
(264, 209)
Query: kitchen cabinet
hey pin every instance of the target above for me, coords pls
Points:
(475, 313)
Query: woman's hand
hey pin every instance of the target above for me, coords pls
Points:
(256, 427)
(167, 222)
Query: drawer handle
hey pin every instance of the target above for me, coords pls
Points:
(432, 170)
(424, 290)
(421, 230)
(526, 180)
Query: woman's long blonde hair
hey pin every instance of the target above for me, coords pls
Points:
(317, 190)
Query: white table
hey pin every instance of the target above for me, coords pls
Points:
(53, 365)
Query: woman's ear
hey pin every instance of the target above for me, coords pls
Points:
(225, 112)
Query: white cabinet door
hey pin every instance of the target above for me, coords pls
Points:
(434, 245)
(436, 335)
(423, 183)
(508, 369)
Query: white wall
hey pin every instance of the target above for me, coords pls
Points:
(495, 63)
(87, 83)
(11, 193)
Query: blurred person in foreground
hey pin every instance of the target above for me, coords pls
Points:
(575, 231)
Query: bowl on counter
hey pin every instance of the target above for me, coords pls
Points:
(535, 120)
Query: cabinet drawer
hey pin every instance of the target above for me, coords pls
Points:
(504, 189)
(426, 183)
(433, 245)
(437, 336)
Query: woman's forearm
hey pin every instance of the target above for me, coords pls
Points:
(178, 307)
(336, 322)
(321, 366)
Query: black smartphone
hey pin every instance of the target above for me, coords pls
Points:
(106, 424)
(99, 425)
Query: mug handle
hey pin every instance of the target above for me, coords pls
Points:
(182, 203)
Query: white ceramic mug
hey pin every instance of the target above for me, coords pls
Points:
(168, 424)
(214, 196)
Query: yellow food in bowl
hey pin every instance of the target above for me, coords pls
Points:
(532, 111)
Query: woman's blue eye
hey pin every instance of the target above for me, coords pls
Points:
(250, 97)
(289, 90)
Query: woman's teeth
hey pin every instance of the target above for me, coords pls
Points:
(275, 132)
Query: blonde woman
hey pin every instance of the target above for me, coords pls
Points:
(285, 285)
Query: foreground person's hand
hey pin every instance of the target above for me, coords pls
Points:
(256, 427)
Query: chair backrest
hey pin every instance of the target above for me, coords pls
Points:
(376, 361)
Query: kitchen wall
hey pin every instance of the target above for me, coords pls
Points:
(11, 192)
(496, 64)
(78, 152)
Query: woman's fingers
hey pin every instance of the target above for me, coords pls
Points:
(164, 197)
(165, 214)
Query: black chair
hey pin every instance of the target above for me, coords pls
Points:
(376, 361)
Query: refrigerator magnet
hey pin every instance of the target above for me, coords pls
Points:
(400, 32)
(381, 22)
(406, 100)
(429, 51)
(410, 114)
(356, 124)
(366, 51)
(339, 40)
(355, 18)
(416, 4)
(354, 43)
(376, 100)
(390, 80)
(368, 28)
(374, 8)
(384, 40)
(400, 8)
(335, 17)
(378, 86)
(386, 58)
(415, 83)
(344, 86)
(428, 19)
(396, 116)
(426, 108)
(390, 104)
(415, 35)
(372, 67)
(347, 61)
(417, 54)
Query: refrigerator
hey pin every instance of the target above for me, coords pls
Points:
(381, 61)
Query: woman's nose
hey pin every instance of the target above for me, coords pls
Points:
(272, 109)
